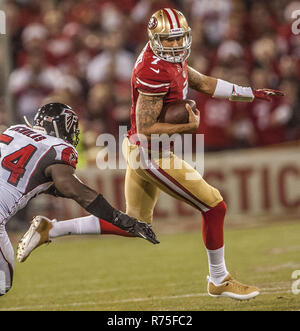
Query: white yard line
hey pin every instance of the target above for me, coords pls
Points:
(92, 303)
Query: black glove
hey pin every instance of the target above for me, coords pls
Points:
(133, 226)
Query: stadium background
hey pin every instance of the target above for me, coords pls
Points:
(82, 53)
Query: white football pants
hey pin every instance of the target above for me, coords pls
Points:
(6, 261)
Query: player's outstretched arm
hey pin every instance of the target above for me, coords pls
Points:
(201, 83)
(69, 186)
(219, 88)
(148, 109)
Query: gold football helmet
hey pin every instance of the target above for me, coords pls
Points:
(169, 23)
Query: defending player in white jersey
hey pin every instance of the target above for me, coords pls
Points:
(42, 159)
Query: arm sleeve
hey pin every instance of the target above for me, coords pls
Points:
(65, 154)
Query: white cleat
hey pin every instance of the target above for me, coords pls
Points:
(37, 234)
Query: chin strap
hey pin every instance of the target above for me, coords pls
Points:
(34, 126)
(27, 122)
(56, 129)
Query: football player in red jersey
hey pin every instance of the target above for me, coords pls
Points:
(42, 159)
(161, 75)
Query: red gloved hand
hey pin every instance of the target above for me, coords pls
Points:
(267, 94)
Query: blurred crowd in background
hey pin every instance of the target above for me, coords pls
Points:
(81, 52)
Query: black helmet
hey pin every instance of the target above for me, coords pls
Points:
(58, 120)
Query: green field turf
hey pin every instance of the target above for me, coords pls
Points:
(111, 273)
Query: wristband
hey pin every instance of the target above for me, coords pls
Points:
(233, 92)
(223, 89)
(101, 208)
(240, 93)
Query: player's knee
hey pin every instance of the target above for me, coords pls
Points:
(222, 207)
(217, 211)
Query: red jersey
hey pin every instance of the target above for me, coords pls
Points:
(153, 76)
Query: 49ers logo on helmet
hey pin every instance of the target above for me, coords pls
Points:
(152, 23)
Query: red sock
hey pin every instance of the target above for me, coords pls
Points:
(108, 228)
(213, 226)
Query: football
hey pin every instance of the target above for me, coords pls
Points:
(176, 113)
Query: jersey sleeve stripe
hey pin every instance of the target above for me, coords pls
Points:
(151, 94)
(5, 139)
(139, 81)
